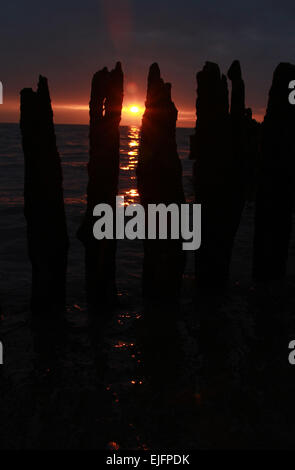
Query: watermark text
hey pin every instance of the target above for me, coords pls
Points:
(161, 222)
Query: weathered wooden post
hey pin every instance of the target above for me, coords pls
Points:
(103, 170)
(276, 181)
(218, 150)
(159, 175)
(44, 209)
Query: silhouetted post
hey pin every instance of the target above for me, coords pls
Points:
(103, 170)
(159, 175)
(44, 208)
(275, 195)
(218, 150)
(237, 108)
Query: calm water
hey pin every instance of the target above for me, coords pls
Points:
(73, 147)
(77, 411)
(72, 140)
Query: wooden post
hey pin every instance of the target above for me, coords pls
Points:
(276, 180)
(44, 208)
(103, 170)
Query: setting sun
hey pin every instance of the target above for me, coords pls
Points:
(132, 113)
(134, 109)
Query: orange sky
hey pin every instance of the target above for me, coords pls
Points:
(67, 113)
(78, 114)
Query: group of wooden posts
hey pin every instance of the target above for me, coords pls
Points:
(235, 159)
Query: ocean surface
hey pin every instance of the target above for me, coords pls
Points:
(79, 377)
(72, 141)
(124, 413)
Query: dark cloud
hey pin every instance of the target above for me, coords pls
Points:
(68, 40)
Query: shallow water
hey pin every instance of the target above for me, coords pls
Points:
(72, 143)
(125, 411)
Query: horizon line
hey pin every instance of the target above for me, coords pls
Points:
(84, 124)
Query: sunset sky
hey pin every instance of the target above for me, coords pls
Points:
(68, 40)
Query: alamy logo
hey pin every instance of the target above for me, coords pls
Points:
(292, 94)
(1, 93)
(1, 354)
(291, 357)
(162, 222)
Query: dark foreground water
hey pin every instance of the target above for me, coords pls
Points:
(121, 408)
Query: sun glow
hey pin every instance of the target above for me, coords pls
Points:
(134, 109)
(132, 113)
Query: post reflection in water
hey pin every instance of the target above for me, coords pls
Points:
(129, 160)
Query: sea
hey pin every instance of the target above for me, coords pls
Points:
(109, 416)
(72, 142)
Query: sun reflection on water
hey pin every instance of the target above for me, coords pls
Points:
(129, 159)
